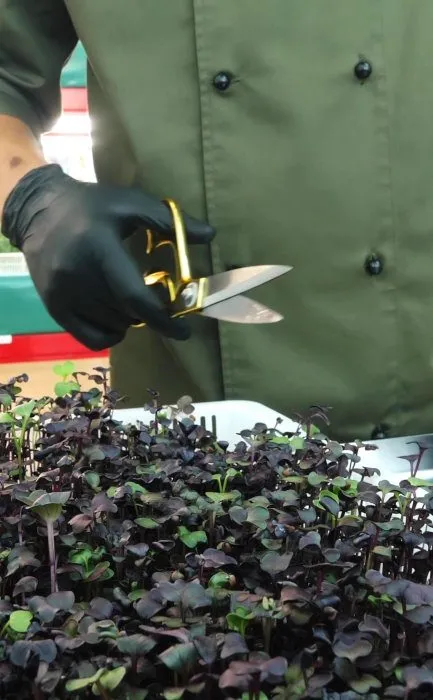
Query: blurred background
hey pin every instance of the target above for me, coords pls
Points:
(30, 341)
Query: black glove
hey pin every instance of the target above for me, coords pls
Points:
(71, 234)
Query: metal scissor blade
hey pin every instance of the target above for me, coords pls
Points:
(241, 310)
(225, 285)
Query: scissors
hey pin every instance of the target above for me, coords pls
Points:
(219, 296)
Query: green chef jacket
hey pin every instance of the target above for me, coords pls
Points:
(303, 131)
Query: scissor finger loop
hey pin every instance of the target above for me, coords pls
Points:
(207, 295)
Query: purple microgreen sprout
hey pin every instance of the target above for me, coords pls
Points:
(48, 506)
(193, 568)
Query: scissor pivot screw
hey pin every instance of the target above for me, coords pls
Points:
(189, 295)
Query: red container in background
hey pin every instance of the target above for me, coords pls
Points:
(44, 347)
(74, 100)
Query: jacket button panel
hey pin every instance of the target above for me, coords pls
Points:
(374, 265)
(222, 81)
(363, 70)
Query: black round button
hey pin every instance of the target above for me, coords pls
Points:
(363, 69)
(222, 81)
(380, 432)
(374, 265)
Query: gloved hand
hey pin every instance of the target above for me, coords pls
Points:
(71, 235)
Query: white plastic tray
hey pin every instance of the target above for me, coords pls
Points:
(227, 418)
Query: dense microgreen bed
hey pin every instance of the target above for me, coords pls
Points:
(151, 561)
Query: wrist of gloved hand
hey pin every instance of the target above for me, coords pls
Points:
(35, 185)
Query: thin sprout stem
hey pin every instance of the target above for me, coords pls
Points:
(102, 691)
(52, 555)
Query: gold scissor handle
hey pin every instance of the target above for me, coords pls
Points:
(182, 282)
(179, 245)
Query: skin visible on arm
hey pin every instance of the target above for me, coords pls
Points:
(20, 152)
(15, 162)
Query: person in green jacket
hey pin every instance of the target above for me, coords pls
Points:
(300, 132)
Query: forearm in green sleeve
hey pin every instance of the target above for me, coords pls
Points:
(36, 39)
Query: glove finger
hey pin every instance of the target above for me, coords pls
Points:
(136, 208)
(90, 300)
(92, 322)
(92, 337)
(133, 298)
